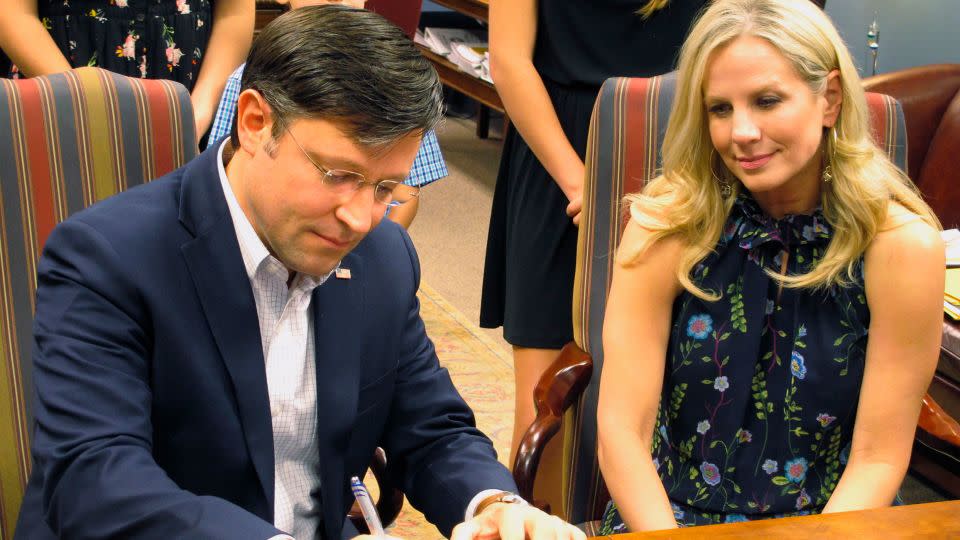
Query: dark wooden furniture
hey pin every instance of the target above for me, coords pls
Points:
(933, 520)
(267, 10)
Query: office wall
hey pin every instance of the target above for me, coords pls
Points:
(912, 32)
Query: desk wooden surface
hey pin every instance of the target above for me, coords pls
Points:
(932, 520)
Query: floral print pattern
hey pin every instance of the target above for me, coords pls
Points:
(163, 39)
(761, 387)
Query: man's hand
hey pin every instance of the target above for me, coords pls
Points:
(515, 522)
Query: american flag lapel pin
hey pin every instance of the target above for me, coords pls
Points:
(342, 273)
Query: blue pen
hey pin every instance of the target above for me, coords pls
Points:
(366, 507)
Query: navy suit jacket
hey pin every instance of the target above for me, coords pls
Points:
(152, 413)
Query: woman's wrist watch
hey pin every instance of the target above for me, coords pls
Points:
(500, 497)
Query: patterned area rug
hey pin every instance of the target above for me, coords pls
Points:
(482, 370)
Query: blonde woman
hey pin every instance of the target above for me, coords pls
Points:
(790, 277)
(548, 60)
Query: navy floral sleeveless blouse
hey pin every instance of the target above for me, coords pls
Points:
(761, 387)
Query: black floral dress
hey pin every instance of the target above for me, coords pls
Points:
(156, 39)
(761, 387)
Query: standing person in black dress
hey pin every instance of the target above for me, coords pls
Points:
(548, 60)
(197, 43)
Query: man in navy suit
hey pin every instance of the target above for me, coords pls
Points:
(219, 351)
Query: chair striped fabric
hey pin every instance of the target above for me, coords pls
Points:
(623, 152)
(66, 141)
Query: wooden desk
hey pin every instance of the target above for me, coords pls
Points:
(933, 520)
(453, 77)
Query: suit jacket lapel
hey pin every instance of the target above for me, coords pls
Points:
(338, 314)
(221, 281)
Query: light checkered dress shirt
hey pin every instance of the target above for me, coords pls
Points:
(428, 166)
(286, 331)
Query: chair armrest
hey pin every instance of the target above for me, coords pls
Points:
(391, 498)
(558, 388)
(937, 423)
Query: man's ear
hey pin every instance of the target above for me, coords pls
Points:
(254, 121)
(833, 93)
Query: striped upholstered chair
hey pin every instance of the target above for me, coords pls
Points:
(623, 152)
(66, 141)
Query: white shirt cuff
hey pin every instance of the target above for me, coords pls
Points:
(281, 537)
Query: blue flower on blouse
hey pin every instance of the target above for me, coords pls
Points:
(699, 326)
(735, 518)
(678, 512)
(845, 454)
(663, 433)
(797, 366)
(710, 472)
(796, 470)
(802, 331)
(769, 466)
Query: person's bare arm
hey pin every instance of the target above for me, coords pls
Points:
(404, 214)
(27, 42)
(636, 329)
(229, 43)
(513, 31)
(904, 276)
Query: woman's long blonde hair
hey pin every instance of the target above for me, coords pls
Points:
(685, 199)
(652, 6)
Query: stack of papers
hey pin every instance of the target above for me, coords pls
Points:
(951, 293)
(467, 49)
(441, 40)
(473, 58)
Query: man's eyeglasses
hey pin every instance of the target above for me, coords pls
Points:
(388, 192)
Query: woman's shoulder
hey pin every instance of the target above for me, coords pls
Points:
(905, 238)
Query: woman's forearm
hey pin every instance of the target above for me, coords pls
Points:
(634, 483)
(532, 114)
(866, 485)
(27, 42)
(229, 43)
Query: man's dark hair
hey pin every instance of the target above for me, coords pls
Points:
(344, 64)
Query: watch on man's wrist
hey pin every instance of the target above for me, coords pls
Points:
(501, 497)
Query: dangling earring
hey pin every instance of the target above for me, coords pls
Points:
(725, 188)
(827, 174)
